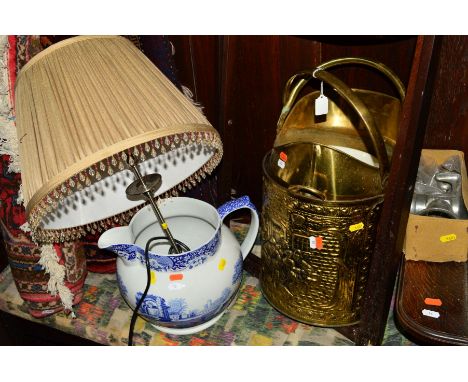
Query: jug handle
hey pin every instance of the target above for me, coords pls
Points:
(237, 204)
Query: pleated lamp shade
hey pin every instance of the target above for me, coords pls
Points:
(83, 107)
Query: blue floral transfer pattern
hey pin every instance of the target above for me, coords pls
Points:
(175, 313)
(188, 260)
(233, 205)
(168, 263)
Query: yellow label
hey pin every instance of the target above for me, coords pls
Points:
(446, 238)
(222, 264)
(356, 227)
(153, 278)
(164, 225)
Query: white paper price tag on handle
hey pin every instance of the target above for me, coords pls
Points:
(321, 103)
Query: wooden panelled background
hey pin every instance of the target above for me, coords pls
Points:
(248, 77)
(447, 126)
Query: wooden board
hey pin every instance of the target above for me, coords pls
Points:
(444, 318)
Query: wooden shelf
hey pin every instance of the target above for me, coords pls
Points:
(103, 318)
(448, 282)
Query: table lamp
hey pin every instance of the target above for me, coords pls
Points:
(84, 106)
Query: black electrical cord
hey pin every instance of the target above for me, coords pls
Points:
(182, 248)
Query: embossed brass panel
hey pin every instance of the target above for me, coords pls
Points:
(321, 205)
(317, 286)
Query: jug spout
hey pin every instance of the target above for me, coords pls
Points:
(115, 238)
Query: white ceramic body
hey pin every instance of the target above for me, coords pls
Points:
(190, 291)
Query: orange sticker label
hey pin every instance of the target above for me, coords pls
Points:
(283, 156)
(177, 276)
(433, 301)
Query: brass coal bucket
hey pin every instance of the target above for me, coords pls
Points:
(324, 182)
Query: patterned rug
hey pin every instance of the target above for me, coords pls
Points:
(104, 317)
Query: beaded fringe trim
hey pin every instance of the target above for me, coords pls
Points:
(108, 167)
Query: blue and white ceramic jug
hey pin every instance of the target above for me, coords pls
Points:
(189, 291)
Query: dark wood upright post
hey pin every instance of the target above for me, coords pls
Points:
(395, 211)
